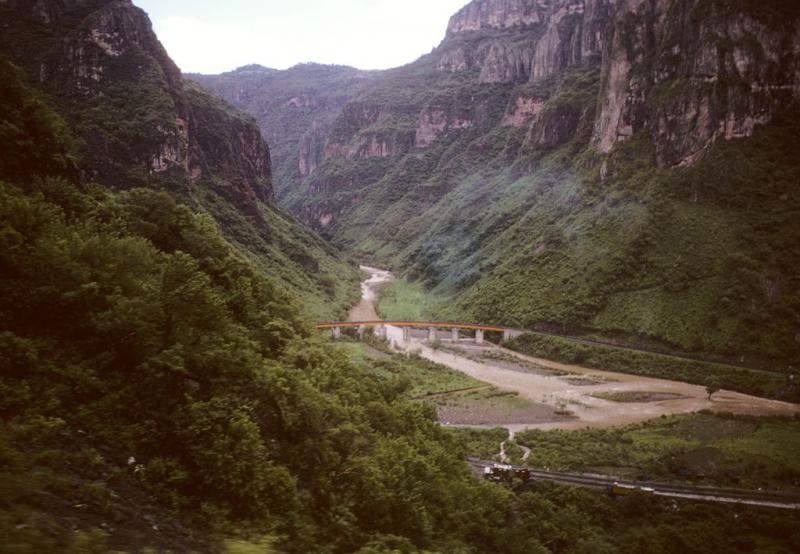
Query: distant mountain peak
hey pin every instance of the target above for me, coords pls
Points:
(499, 14)
(254, 68)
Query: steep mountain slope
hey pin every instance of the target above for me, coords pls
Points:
(141, 124)
(160, 392)
(294, 108)
(626, 168)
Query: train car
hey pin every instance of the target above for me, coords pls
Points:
(504, 473)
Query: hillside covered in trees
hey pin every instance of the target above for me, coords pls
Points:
(158, 390)
(623, 169)
(161, 387)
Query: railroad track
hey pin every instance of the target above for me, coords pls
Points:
(772, 499)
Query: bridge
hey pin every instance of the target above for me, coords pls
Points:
(432, 326)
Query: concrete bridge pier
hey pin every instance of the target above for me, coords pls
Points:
(406, 334)
(454, 334)
(337, 333)
(479, 336)
(506, 335)
(361, 329)
(431, 333)
(382, 331)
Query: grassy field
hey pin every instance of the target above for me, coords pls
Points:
(636, 396)
(424, 378)
(401, 300)
(458, 398)
(360, 352)
(490, 406)
(703, 448)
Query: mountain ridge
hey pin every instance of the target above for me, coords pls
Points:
(572, 142)
(142, 125)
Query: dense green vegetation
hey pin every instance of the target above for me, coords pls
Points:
(162, 373)
(479, 443)
(759, 383)
(137, 123)
(124, 342)
(423, 377)
(163, 387)
(712, 449)
(130, 322)
(400, 300)
(528, 226)
(684, 258)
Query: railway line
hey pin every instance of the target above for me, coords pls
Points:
(770, 499)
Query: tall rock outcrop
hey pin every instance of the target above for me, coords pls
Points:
(497, 14)
(569, 163)
(141, 124)
(524, 40)
(689, 72)
(127, 99)
(296, 109)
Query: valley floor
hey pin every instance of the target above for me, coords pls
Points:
(554, 395)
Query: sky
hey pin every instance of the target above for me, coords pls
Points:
(212, 36)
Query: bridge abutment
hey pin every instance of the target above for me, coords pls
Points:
(454, 334)
(478, 336)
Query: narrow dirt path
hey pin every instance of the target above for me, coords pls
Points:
(526, 452)
(503, 456)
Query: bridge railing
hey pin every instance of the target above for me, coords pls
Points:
(479, 328)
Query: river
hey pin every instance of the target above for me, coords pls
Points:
(547, 389)
(366, 309)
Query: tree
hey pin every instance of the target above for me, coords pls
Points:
(713, 385)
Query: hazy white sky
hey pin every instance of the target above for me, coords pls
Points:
(212, 36)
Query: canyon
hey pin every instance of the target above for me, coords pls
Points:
(566, 165)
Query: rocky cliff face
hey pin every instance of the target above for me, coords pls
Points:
(497, 14)
(684, 72)
(361, 131)
(567, 163)
(690, 72)
(524, 40)
(127, 98)
(142, 125)
(296, 109)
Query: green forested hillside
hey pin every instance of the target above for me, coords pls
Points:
(159, 390)
(137, 123)
(572, 173)
(161, 385)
